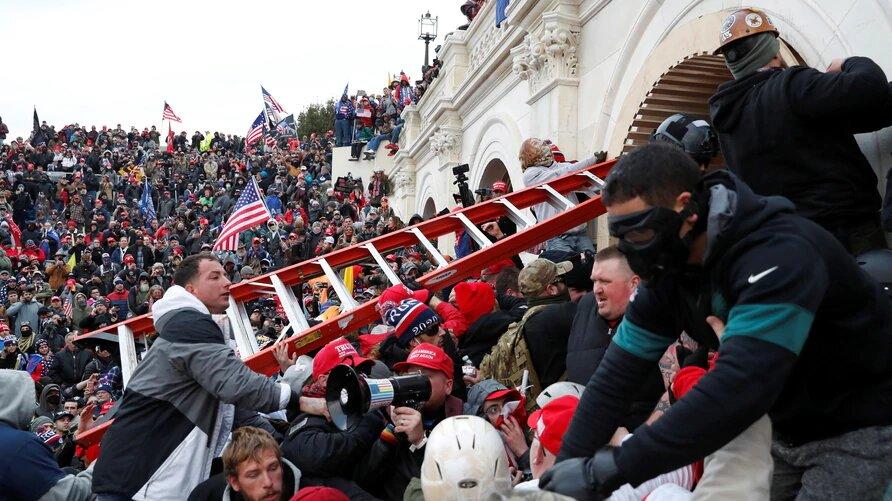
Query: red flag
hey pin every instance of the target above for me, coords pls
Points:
(15, 231)
(169, 138)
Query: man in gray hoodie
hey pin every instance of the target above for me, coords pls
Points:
(179, 405)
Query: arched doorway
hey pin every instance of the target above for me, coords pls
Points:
(430, 209)
(685, 88)
(495, 171)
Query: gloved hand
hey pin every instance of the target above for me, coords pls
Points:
(584, 479)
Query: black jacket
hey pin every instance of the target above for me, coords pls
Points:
(808, 340)
(67, 368)
(590, 336)
(546, 333)
(483, 334)
(790, 132)
(324, 453)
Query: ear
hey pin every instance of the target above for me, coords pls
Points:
(685, 205)
(448, 386)
(232, 480)
(635, 281)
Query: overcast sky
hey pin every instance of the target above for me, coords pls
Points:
(101, 62)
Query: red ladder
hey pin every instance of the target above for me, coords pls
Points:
(353, 315)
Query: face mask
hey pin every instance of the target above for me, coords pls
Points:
(649, 239)
(144, 287)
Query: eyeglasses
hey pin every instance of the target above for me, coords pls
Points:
(493, 410)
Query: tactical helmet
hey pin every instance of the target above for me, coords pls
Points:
(694, 136)
(878, 264)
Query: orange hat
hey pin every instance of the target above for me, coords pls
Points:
(741, 24)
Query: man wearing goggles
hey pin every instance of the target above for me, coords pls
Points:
(785, 299)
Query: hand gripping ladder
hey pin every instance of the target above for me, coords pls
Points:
(353, 315)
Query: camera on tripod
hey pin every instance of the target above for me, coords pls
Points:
(464, 195)
(349, 395)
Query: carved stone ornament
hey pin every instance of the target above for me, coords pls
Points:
(404, 180)
(550, 55)
(446, 143)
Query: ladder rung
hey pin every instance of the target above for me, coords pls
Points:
(598, 182)
(388, 271)
(241, 328)
(520, 218)
(347, 301)
(474, 231)
(559, 201)
(293, 307)
(441, 261)
(127, 348)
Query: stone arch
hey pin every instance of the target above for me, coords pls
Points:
(499, 139)
(668, 31)
(494, 171)
(430, 209)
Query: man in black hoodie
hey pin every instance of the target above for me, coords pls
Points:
(790, 131)
(787, 302)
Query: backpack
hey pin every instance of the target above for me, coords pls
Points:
(510, 357)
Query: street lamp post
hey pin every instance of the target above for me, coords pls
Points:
(427, 31)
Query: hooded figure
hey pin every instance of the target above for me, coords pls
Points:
(50, 400)
(37, 473)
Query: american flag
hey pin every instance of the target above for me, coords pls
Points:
(256, 131)
(249, 211)
(169, 114)
(271, 102)
(270, 141)
(68, 308)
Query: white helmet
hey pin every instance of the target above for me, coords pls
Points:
(464, 459)
(559, 389)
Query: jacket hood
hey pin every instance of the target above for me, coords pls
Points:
(477, 395)
(17, 398)
(44, 406)
(290, 471)
(727, 105)
(175, 299)
(735, 211)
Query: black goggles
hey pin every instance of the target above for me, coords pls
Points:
(640, 229)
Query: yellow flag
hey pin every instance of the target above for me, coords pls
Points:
(348, 279)
(72, 262)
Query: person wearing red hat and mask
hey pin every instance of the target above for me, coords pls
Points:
(505, 409)
(397, 456)
(318, 447)
(486, 322)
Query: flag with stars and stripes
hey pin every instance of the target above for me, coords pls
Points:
(255, 133)
(249, 211)
(68, 308)
(169, 114)
(272, 107)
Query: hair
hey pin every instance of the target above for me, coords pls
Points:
(247, 443)
(534, 151)
(613, 252)
(657, 173)
(507, 279)
(187, 270)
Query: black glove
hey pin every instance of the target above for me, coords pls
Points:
(584, 479)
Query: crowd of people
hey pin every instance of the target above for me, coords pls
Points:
(688, 361)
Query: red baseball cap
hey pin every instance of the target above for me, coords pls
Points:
(396, 293)
(552, 421)
(500, 186)
(128, 258)
(428, 356)
(335, 353)
(319, 493)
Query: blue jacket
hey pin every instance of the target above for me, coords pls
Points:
(28, 469)
(344, 110)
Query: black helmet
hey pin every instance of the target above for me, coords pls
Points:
(694, 136)
(878, 264)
